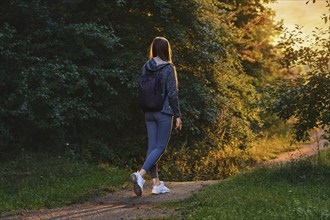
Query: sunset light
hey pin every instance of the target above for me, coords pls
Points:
(127, 109)
(297, 12)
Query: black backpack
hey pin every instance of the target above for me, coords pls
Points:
(150, 91)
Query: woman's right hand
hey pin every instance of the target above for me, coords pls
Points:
(178, 124)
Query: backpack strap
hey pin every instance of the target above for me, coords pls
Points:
(158, 72)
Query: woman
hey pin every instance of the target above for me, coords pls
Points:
(159, 123)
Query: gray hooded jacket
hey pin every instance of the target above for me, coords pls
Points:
(168, 81)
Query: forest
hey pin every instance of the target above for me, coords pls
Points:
(69, 72)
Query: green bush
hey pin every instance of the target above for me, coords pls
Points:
(69, 71)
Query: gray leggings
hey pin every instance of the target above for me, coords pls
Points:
(159, 126)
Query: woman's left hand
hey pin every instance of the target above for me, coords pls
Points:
(178, 124)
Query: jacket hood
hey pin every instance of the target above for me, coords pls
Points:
(153, 66)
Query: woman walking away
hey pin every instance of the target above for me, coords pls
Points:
(159, 122)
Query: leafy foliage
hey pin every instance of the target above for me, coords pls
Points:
(69, 72)
(55, 74)
(306, 96)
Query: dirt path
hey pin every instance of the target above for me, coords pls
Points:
(305, 150)
(124, 204)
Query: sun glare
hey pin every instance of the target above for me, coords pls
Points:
(307, 16)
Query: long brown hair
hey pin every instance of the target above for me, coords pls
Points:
(161, 47)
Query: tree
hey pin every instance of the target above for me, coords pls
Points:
(306, 96)
(69, 70)
(54, 72)
(255, 30)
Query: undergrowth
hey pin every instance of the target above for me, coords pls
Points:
(205, 162)
(42, 181)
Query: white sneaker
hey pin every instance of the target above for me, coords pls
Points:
(160, 189)
(138, 182)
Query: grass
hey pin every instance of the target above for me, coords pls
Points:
(297, 190)
(34, 182)
(275, 138)
(267, 148)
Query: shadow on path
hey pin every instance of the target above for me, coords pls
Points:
(122, 204)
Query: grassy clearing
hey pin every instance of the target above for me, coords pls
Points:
(298, 190)
(32, 182)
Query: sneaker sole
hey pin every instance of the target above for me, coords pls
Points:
(137, 189)
(162, 192)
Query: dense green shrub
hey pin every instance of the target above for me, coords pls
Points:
(62, 85)
(69, 71)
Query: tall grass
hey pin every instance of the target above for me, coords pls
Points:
(266, 148)
(205, 162)
(298, 190)
(33, 182)
(275, 137)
